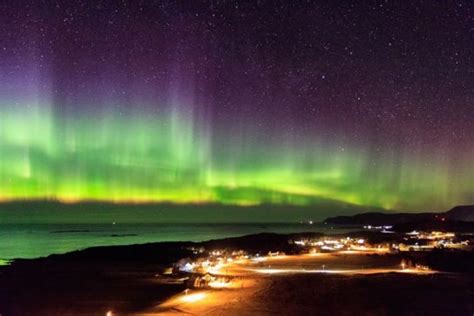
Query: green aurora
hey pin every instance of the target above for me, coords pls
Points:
(229, 104)
(173, 156)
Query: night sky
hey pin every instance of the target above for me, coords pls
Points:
(238, 102)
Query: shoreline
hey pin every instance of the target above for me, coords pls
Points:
(40, 240)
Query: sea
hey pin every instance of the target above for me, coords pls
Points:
(29, 241)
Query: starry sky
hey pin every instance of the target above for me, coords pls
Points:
(238, 102)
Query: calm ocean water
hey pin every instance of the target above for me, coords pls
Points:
(39, 240)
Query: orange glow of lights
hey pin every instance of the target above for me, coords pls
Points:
(192, 298)
(219, 284)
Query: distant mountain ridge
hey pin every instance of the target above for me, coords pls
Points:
(462, 213)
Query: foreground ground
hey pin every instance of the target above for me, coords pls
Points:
(316, 294)
(128, 281)
(349, 285)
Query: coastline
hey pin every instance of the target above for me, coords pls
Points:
(31, 241)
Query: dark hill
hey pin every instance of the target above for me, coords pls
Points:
(458, 214)
(464, 213)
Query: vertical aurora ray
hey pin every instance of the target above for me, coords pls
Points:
(168, 157)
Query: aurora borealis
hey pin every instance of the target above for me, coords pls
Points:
(238, 102)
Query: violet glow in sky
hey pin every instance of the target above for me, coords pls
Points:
(238, 102)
